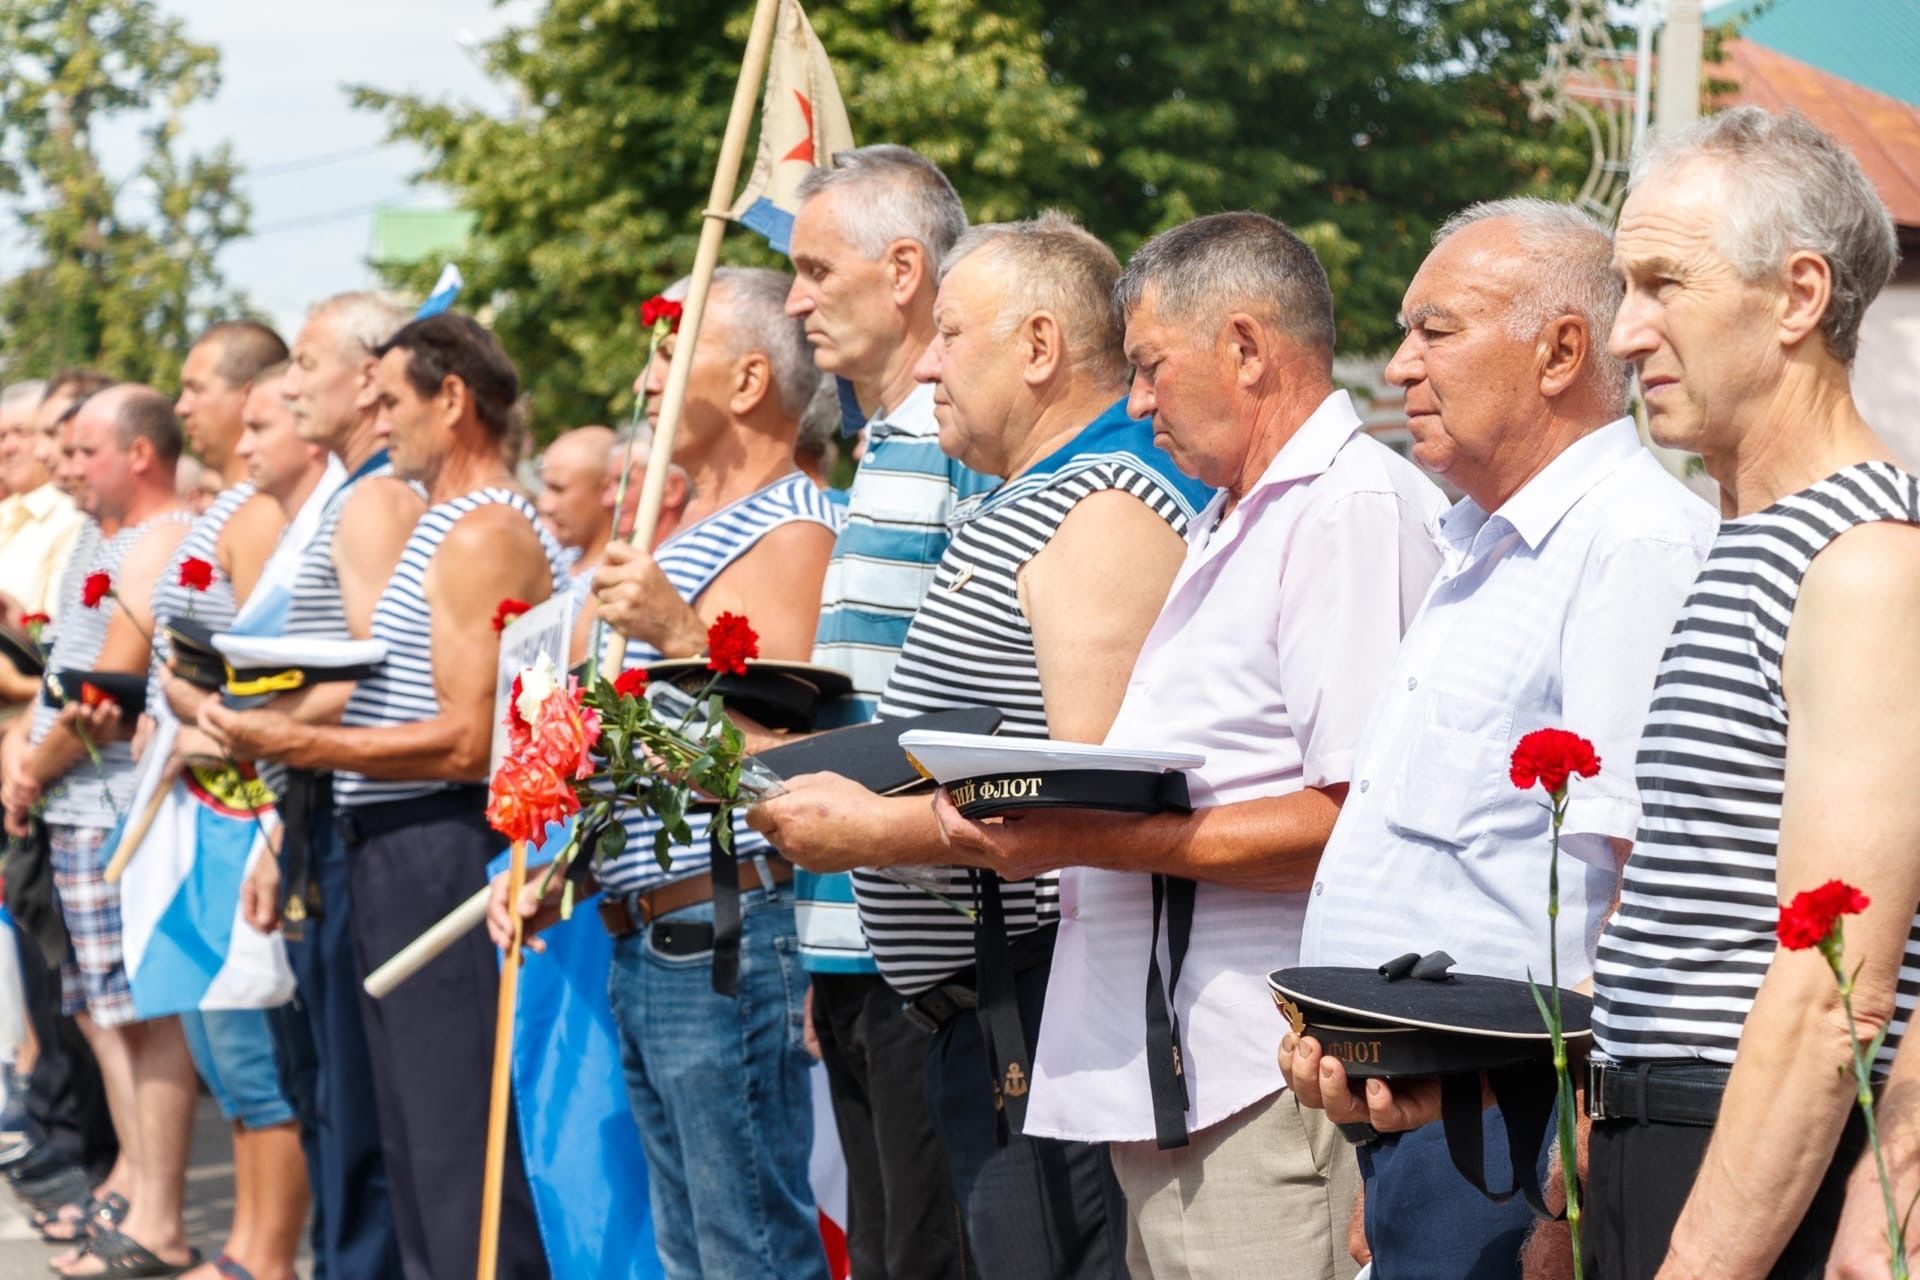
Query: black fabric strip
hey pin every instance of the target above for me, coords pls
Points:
(1166, 1071)
(999, 1008)
(724, 868)
(1117, 790)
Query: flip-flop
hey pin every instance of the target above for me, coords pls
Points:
(124, 1258)
(232, 1270)
(110, 1209)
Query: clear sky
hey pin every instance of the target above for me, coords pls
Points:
(283, 107)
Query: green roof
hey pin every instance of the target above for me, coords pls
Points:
(1873, 43)
(402, 236)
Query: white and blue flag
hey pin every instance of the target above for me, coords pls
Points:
(445, 290)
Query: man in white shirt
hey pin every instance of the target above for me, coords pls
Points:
(1276, 635)
(1564, 567)
(38, 523)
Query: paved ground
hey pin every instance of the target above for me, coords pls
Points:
(209, 1204)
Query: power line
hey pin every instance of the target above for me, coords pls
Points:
(321, 219)
(315, 161)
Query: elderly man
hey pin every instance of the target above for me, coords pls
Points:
(717, 1083)
(410, 758)
(128, 441)
(1785, 726)
(1278, 632)
(1041, 602)
(631, 456)
(872, 230)
(573, 474)
(1564, 564)
(38, 523)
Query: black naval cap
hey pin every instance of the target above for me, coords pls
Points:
(780, 695)
(194, 657)
(1414, 1017)
(870, 754)
(18, 648)
(128, 692)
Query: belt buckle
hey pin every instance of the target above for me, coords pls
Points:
(1596, 1089)
(912, 1012)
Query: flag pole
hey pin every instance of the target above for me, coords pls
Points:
(714, 219)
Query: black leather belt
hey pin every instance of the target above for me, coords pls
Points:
(361, 823)
(1655, 1092)
(934, 1009)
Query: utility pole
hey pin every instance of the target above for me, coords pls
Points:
(1678, 103)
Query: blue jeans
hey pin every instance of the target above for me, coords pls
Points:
(720, 1088)
(233, 1051)
(1426, 1222)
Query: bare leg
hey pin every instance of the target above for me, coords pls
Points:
(109, 1045)
(278, 1214)
(28, 1053)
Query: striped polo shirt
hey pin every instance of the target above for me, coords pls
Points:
(401, 691)
(692, 559)
(970, 644)
(883, 563)
(1684, 955)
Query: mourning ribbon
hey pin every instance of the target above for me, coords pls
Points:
(1166, 1069)
(1525, 1094)
(724, 868)
(303, 794)
(999, 1008)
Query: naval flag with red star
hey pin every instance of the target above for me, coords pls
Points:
(802, 124)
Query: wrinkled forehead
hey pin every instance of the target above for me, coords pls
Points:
(1677, 211)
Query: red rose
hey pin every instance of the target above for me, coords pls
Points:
(656, 309)
(631, 683)
(1811, 916)
(526, 796)
(34, 620)
(195, 574)
(92, 695)
(562, 737)
(506, 611)
(1551, 756)
(730, 642)
(96, 588)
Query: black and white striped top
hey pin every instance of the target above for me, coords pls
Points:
(692, 559)
(214, 607)
(970, 645)
(401, 691)
(1682, 959)
(317, 608)
(85, 796)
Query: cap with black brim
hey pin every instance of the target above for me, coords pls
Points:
(1413, 1017)
(28, 658)
(128, 692)
(193, 655)
(988, 776)
(779, 695)
(870, 754)
(258, 668)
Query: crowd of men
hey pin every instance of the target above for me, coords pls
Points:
(1127, 506)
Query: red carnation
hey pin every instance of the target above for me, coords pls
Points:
(34, 620)
(631, 683)
(92, 695)
(506, 611)
(656, 309)
(96, 588)
(1551, 756)
(730, 642)
(1811, 916)
(196, 574)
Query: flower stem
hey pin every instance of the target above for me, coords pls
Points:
(599, 638)
(1569, 1129)
(1863, 1085)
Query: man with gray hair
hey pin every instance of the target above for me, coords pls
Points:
(1276, 635)
(1785, 729)
(872, 231)
(1562, 568)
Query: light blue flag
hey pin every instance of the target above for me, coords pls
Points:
(445, 290)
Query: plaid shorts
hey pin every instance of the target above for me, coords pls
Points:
(94, 975)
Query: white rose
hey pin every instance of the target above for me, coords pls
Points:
(537, 684)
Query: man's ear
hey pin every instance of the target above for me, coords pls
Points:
(1566, 352)
(1807, 296)
(1045, 347)
(752, 382)
(363, 393)
(453, 398)
(1246, 343)
(906, 264)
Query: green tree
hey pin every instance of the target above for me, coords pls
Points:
(1360, 122)
(122, 272)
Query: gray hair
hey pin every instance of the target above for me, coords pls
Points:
(758, 321)
(363, 318)
(1053, 263)
(1789, 187)
(903, 196)
(820, 421)
(1569, 271)
(1203, 268)
(23, 395)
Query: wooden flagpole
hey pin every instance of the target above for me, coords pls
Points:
(726, 174)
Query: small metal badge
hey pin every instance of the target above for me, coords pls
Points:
(962, 578)
(1016, 1081)
(1291, 1012)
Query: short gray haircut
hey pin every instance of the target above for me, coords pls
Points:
(903, 196)
(23, 395)
(1789, 187)
(1569, 271)
(1202, 269)
(362, 318)
(1052, 263)
(756, 300)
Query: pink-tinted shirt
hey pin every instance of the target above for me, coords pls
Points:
(1275, 638)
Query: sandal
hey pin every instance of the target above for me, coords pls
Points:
(124, 1258)
(232, 1270)
(110, 1210)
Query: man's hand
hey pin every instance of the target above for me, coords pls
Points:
(537, 912)
(261, 734)
(260, 893)
(19, 790)
(823, 823)
(809, 1039)
(637, 601)
(1018, 846)
(193, 745)
(1320, 1081)
(101, 722)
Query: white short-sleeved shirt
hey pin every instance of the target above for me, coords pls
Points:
(1550, 613)
(1277, 635)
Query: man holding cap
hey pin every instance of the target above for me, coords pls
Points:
(1563, 568)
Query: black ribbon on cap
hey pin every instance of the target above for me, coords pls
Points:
(999, 1008)
(1166, 1068)
(1431, 967)
(723, 866)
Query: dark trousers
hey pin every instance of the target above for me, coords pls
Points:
(431, 1041)
(1426, 1222)
(1036, 1208)
(321, 1048)
(66, 1105)
(903, 1222)
(1638, 1177)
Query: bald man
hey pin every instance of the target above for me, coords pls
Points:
(673, 505)
(573, 474)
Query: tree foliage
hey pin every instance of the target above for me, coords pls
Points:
(121, 272)
(1362, 123)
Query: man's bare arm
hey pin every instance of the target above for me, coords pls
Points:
(775, 586)
(247, 541)
(378, 518)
